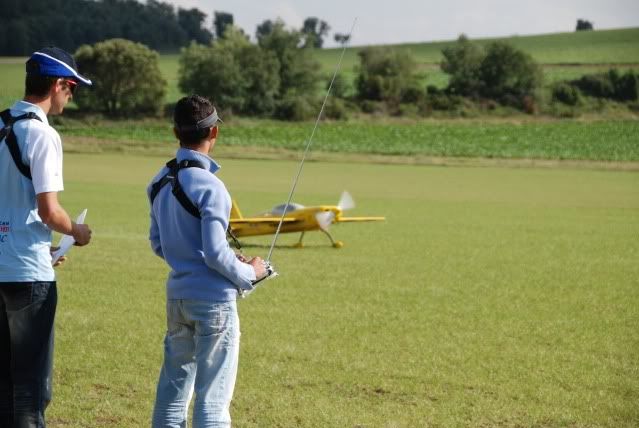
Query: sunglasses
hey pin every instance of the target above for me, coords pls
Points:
(71, 84)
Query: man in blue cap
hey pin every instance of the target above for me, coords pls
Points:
(30, 179)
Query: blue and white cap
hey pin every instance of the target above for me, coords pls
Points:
(55, 62)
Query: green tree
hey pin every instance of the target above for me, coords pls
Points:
(298, 71)
(314, 30)
(238, 76)
(385, 75)
(264, 29)
(508, 75)
(192, 22)
(462, 62)
(342, 39)
(500, 73)
(584, 25)
(221, 21)
(126, 78)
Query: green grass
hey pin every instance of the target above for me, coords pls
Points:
(585, 47)
(489, 297)
(568, 139)
(12, 78)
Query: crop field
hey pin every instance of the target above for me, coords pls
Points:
(489, 297)
(611, 140)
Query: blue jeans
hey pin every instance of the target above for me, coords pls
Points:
(201, 351)
(27, 312)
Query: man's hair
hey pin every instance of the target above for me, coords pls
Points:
(188, 111)
(36, 84)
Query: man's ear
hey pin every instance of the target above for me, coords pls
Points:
(57, 86)
(213, 133)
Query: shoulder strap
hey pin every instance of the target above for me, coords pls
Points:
(10, 138)
(178, 192)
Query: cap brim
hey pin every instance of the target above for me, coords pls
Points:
(50, 66)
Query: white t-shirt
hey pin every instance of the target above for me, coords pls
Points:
(24, 240)
(41, 148)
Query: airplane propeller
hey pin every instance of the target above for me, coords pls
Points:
(325, 218)
(346, 201)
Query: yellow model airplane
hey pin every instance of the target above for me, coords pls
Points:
(297, 218)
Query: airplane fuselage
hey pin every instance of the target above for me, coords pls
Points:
(301, 220)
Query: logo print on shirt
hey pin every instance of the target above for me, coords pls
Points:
(5, 228)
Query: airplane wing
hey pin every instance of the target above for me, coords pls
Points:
(354, 219)
(247, 220)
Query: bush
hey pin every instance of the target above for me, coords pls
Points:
(342, 88)
(509, 75)
(385, 75)
(501, 73)
(595, 85)
(372, 107)
(126, 78)
(611, 85)
(462, 62)
(336, 109)
(296, 107)
(626, 86)
(413, 94)
(440, 100)
(566, 93)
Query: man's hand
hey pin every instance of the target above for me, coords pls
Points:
(259, 267)
(60, 260)
(241, 257)
(81, 234)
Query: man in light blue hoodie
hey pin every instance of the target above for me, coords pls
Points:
(190, 209)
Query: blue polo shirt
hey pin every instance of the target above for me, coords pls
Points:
(203, 265)
(24, 240)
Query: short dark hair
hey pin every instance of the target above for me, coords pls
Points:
(188, 111)
(34, 83)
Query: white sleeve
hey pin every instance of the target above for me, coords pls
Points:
(44, 151)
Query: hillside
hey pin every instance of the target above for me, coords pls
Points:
(620, 46)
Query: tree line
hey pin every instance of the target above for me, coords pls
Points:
(279, 77)
(27, 25)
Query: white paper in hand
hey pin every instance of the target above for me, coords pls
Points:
(66, 242)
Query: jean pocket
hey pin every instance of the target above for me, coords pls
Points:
(219, 319)
(40, 291)
(33, 295)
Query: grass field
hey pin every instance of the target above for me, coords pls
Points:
(490, 297)
(585, 47)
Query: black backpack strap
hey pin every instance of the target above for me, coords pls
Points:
(178, 192)
(9, 137)
(166, 178)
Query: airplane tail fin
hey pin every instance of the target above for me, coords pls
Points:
(235, 211)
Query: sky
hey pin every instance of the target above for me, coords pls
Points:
(406, 21)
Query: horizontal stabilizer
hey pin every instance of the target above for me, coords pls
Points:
(275, 220)
(354, 219)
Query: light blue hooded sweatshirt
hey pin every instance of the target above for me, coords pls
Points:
(203, 265)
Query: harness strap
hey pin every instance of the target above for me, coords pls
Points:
(178, 192)
(9, 137)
